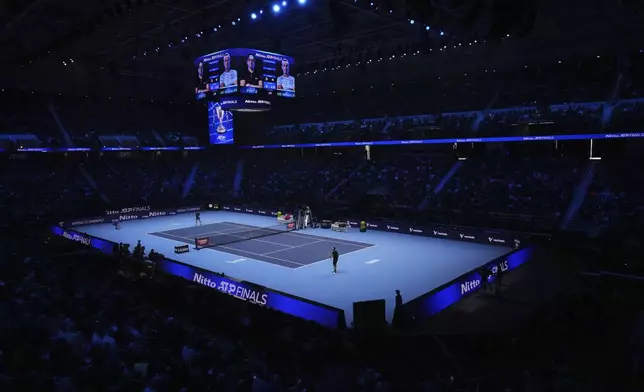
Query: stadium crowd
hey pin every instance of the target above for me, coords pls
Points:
(72, 320)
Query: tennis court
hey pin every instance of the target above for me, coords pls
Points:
(288, 249)
(372, 264)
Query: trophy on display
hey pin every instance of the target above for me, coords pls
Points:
(220, 115)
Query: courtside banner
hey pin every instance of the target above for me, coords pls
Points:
(84, 239)
(322, 314)
(465, 234)
(443, 297)
(128, 214)
(325, 315)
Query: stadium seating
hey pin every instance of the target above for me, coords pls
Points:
(71, 320)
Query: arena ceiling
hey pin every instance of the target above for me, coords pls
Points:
(147, 47)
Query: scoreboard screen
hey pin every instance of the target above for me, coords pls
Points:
(244, 74)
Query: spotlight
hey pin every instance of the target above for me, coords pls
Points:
(442, 33)
(411, 21)
(427, 28)
(284, 4)
(253, 16)
(301, 1)
(276, 8)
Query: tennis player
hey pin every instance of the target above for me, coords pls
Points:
(250, 77)
(198, 218)
(335, 256)
(286, 81)
(201, 80)
(229, 76)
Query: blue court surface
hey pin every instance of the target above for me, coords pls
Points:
(372, 265)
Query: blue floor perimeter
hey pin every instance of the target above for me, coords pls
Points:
(372, 264)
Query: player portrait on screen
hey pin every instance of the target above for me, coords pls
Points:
(250, 77)
(286, 81)
(229, 77)
(201, 81)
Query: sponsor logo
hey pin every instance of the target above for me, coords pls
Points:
(128, 217)
(502, 265)
(353, 223)
(273, 213)
(157, 213)
(88, 222)
(250, 211)
(202, 241)
(128, 210)
(372, 225)
(226, 208)
(467, 237)
(181, 249)
(469, 285)
(135, 209)
(181, 210)
(77, 238)
(393, 228)
(262, 212)
(496, 240)
(415, 231)
(440, 233)
(236, 209)
(236, 290)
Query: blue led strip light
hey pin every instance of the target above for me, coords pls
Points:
(458, 140)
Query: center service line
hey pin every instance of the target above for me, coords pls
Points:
(372, 261)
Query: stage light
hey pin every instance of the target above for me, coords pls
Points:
(411, 21)
(427, 28)
(253, 16)
(284, 4)
(301, 1)
(442, 33)
(276, 8)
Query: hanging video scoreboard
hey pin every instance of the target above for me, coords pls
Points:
(243, 79)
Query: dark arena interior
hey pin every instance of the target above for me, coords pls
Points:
(321, 195)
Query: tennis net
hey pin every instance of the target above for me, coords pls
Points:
(245, 234)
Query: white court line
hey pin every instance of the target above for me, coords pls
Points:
(210, 230)
(235, 261)
(311, 236)
(257, 254)
(294, 246)
(372, 261)
(238, 250)
(224, 232)
(328, 258)
(177, 237)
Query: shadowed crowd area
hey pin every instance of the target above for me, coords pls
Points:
(73, 319)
